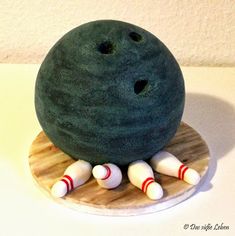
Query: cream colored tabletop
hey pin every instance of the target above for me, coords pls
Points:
(26, 211)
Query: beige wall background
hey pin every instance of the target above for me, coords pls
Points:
(197, 32)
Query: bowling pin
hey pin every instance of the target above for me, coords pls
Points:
(107, 175)
(75, 175)
(141, 175)
(165, 163)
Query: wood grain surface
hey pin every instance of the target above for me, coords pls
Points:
(47, 164)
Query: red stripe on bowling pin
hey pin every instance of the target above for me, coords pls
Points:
(146, 183)
(108, 172)
(70, 180)
(182, 171)
(182, 177)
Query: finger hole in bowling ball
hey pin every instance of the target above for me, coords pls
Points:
(106, 47)
(185, 160)
(135, 36)
(140, 86)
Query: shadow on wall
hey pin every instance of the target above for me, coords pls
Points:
(214, 119)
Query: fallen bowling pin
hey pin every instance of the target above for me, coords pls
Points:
(108, 175)
(165, 163)
(141, 175)
(75, 175)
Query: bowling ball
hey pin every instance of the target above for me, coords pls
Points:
(109, 91)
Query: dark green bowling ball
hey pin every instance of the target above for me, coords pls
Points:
(109, 91)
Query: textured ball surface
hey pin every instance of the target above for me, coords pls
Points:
(109, 91)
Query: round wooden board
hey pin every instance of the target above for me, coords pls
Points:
(47, 164)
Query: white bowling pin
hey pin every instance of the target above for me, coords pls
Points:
(165, 163)
(141, 175)
(75, 175)
(107, 175)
